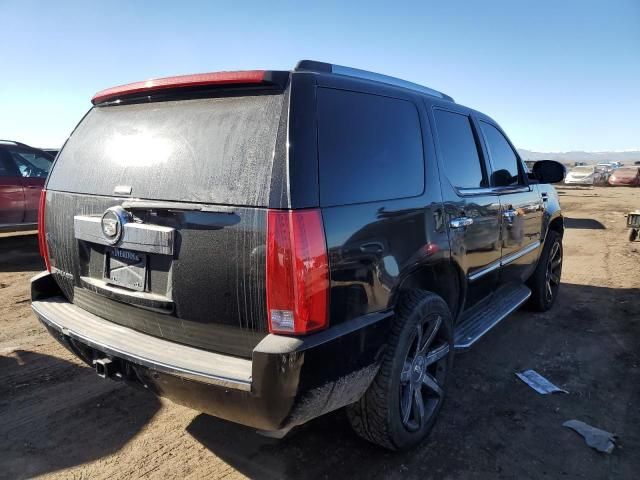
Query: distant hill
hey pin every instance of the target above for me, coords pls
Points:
(627, 157)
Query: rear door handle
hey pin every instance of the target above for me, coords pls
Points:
(461, 222)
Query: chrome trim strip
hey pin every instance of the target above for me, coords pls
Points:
(493, 190)
(503, 261)
(483, 271)
(45, 310)
(179, 206)
(135, 236)
(520, 253)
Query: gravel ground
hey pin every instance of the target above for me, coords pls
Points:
(59, 420)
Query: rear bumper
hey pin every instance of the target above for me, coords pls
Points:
(288, 380)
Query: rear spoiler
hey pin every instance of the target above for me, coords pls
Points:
(239, 78)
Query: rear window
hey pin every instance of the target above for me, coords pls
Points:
(369, 147)
(213, 150)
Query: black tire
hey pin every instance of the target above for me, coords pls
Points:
(545, 281)
(422, 324)
(633, 234)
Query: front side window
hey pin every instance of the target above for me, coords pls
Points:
(503, 158)
(31, 164)
(459, 151)
(369, 148)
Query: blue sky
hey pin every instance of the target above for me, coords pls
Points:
(557, 75)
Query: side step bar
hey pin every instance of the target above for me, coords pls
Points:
(488, 313)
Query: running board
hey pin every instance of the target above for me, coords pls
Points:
(488, 313)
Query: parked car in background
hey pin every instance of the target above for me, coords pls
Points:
(629, 176)
(606, 169)
(584, 175)
(23, 170)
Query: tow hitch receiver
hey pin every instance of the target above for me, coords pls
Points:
(105, 368)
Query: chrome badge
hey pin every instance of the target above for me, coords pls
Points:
(113, 221)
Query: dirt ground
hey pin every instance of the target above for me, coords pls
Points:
(59, 420)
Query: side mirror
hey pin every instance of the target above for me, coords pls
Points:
(549, 171)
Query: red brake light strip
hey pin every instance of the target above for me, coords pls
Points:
(200, 79)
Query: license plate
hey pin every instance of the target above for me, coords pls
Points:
(126, 268)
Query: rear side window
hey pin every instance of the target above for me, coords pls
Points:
(31, 163)
(459, 150)
(369, 147)
(211, 150)
(503, 158)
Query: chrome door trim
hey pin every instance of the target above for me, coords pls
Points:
(503, 261)
(468, 192)
(135, 236)
(483, 271)
(520, 253)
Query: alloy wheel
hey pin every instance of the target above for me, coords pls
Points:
(554, 269)
(423, 374)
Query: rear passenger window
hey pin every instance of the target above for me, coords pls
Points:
(459, 151)
(369, 147)
(503, 158)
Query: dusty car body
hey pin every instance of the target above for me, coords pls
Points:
(625, 176)
(269, 246)
(23, 170)
(584, 175)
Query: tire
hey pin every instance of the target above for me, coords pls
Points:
(381, 415)
(545, 281)
(633, 234)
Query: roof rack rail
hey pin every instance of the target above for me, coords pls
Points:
(315, 66)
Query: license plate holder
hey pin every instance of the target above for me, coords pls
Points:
(126, 268)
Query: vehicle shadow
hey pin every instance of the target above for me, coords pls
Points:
(20, 254)
(492, 424)
(41, 399)
(583, 223)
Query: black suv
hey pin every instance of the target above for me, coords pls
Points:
(269, 246)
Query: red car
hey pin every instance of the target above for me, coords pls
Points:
(23, 171)
(629, 176)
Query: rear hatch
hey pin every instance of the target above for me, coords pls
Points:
(191, 175)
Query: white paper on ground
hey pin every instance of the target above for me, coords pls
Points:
(538, 382)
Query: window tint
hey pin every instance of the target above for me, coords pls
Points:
(503, 158)
(370, 148)
(31, 164)
(5, 168)
(210, 150)
(459, 150)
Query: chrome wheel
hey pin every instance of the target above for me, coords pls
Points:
(554, 269)
(423, 374)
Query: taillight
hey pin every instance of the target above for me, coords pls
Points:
(297, 272)
(42, 240)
